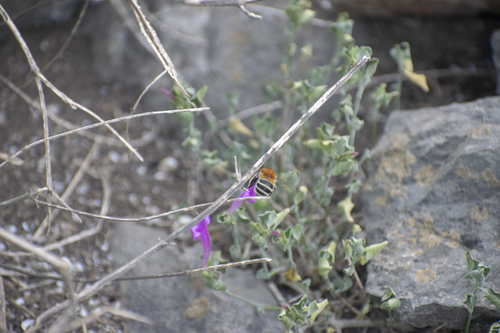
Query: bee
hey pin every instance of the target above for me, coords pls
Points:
(265, 182)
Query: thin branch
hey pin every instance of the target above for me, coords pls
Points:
(87, 292)
(150, 34)
(60, 121)
(63, 320)
(74, 325)
(70, 37)
(39, 75)
(235, 3)
(69, 190)
(142, 277)
(102, 123)
(31, 194)
(268, 107)
(106, 201)
(61, 266)
(65, 44)
(137, 33)
(3, 314)
(132, 111)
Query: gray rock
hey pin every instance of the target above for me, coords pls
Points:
(432, 191)
(416, 7)
(183, 304)
(219, 47)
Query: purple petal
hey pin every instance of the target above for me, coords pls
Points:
(168, 93)
(250, 192)
(201, 230)
(275, 233)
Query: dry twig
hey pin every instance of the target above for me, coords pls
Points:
(236, 3)
(42, 78)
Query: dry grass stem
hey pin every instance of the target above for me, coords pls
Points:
(61, 266)
(90, 290)
(107, 309)
(31, 194)
(280, 299)
(3, 314)
(106, 201)
(150, 34)
(69, 190)
(42, 78)
(143, 277)
(133, 219)
(263, 108)
(235, 3)
(134, 107)
(102, 123)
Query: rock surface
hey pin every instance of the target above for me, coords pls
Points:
(432, 191)
(183, 304)
(416, 7)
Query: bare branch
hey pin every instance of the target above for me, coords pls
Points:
(69, 190)
(144, 277)
(235, 3)
(107, 309)
(61, 266)
(153, 40)
(102, 123)
(40, 76)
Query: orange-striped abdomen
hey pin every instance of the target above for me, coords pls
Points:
(266, 182)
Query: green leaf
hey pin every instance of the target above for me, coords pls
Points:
(345, 285)
(391, 304)
(389, 294)
(200, 94)
(297, 231)
(343, 167)
(290, 179)
(472, 264)
(495, 327)
(261, 242)
(471, 301)
(287, 321)
(314, 309)
(324, 266)
(372, 250)
(280, 217)
(345, 207)
(492, 296)
(306, 16)
(300, 195)
(305, 285)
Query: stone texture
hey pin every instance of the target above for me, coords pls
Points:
(215, 46)
(183, 304)
(416, 7)
(432, 191)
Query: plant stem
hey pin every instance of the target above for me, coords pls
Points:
(257, 305)
(468, 321)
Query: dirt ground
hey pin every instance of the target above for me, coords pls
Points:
(457, 42)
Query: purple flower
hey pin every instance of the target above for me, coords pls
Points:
(168, 93)
(249, 192)
(275, 233)
(202, 231)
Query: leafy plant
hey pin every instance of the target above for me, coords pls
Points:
(477, 272)
(299, 221)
